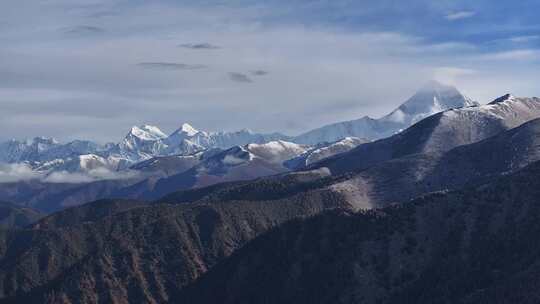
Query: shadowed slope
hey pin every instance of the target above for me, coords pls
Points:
(471, 246)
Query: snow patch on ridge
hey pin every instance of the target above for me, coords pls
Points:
(276, 151)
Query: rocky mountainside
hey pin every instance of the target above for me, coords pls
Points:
(471, 246)
(431, 99)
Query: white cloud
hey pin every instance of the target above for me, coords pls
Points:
(460, 15)
(526, 54)
(17, 172)
(524, 39)
(67, 177)
(24, 172)
(107, 82)
(92, 87)
(88, 176)
(232, 160)
(451, 75)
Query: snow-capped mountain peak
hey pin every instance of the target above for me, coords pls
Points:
(141, 143)
(432, 98)
(146, 133)
(187, 130)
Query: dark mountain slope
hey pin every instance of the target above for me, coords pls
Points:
(87, 213)
(262, 189)
(13, 216)
(132, 253)
(472, 246)
(51, 197)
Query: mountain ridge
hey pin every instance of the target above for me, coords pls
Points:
(438, 133)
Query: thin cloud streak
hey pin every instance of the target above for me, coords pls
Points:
(10, 173)
(199, 46)
(171, 66)
(460, 15)
(524, 39)
(240, 77)
(514, 55)
(83, 30)
(260, 72)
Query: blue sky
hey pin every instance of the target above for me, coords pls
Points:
(93, 68)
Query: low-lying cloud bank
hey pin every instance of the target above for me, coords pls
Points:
(10, 173)
(16, 172)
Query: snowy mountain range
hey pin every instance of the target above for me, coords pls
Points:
(406, 156)
(155, 177)
(141, 143)
(146, 142)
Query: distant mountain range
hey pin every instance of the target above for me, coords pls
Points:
(141, 143)
(46, 155)
(130, 168)
(160, 175)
